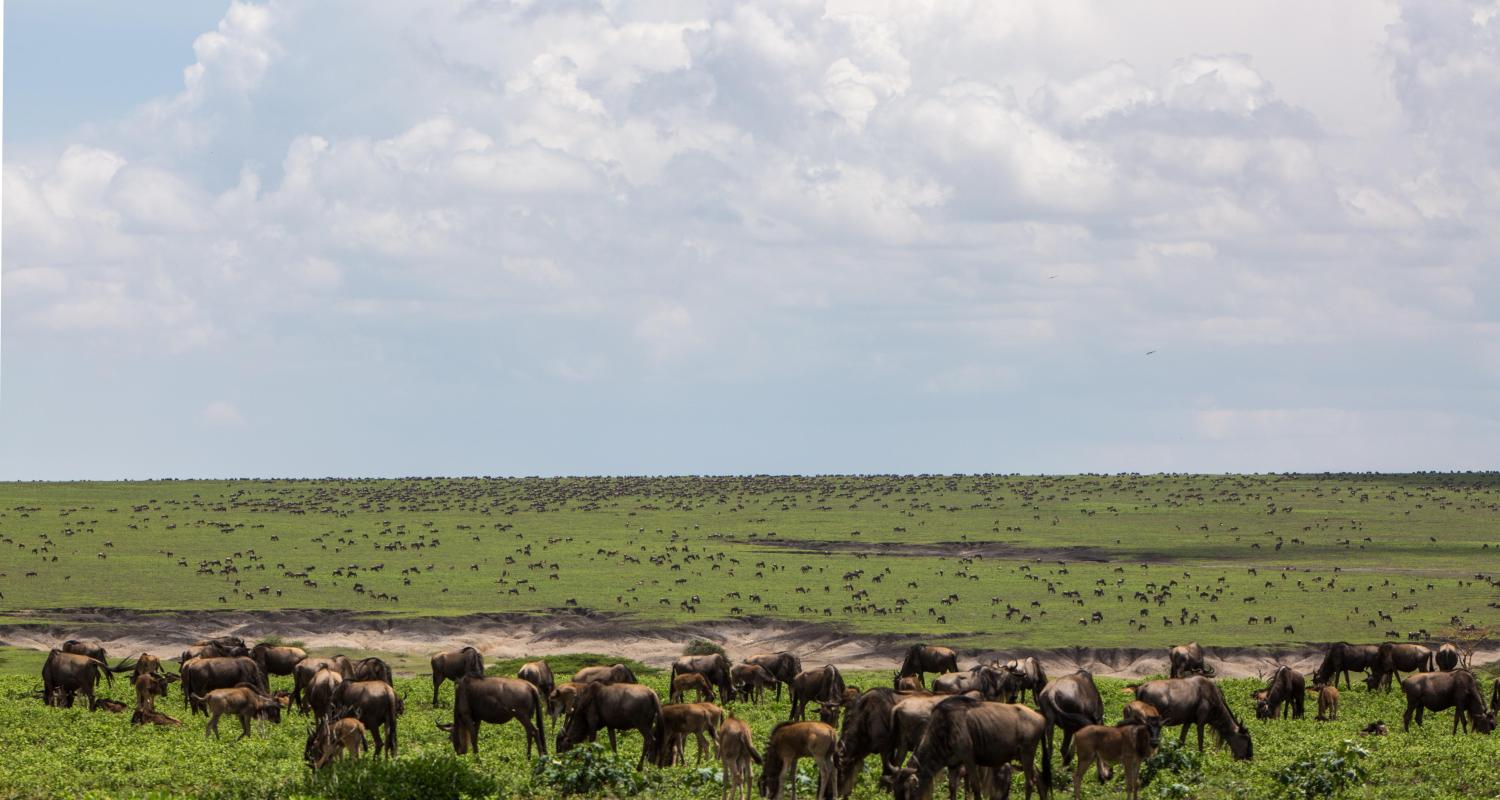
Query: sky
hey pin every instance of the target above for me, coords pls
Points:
(479, 237)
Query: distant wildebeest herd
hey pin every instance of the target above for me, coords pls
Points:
(973, 726)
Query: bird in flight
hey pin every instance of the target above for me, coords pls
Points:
(1149, 352)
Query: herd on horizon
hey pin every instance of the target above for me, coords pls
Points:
(973, 724)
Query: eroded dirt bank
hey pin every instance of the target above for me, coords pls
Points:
(571, 631)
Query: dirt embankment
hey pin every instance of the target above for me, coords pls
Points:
(570, 631)
(1001, 550)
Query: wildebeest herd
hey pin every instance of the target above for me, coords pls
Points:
(974, 726)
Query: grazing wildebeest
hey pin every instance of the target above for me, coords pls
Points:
(453, 665)
(202, 675)
(1344, 658)
(244, 701)
(614, 707)
(618, 673)
(1071, 703)
(377, 706)
(791, 741)
(562, 698)
(679, 720)
(371, 669)
(84, 647)
(736, 753)
(923, 658)
(538, 674)
(66, 674)
(1187, 659)
(907, 683)
(867, 731)
(477, 699)
(1438, 691)
(782, 665)
(1284, 692)
(751, 681)
(684, 682)
(1328, 701)
(1395, 658)
(277, 659)
(1127, 744)
(1196, 700)
(1447, 657)
(333, 736)
(713, 666)
(990, 682)
(318, 693)
(821, 685)
(217, 647)
(1029, 675)
(968, 732)
(303, 673)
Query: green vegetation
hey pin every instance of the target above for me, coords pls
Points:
(1307, 558)
(71, 752)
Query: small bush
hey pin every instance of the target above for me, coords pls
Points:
(429, 775)
(1327, 774)
(589, 770)
(702, 647)
(1183, 767)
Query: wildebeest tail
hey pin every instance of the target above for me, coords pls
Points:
(541, 732)
(1045, 779)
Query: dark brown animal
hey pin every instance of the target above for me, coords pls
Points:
(615, 707)
(908, 683)
(149, 686)
(1343, 658)
(684, 682)
(1284, 693)
(1439, 691)
(538, 674)
(714, 667)
(496, 701)
(277, 659)
(867, 732)
(562, 698)
(679, 720)
(821, 685)
(783, 666)
(303, 673)
(970, 733)
(618, 673)
(736, 753)
(1187, 659)
(991, 683)
(1196, 700)
(1027, 675)
(751, 681)
(377, 706)
(923, 658)
(200, 676)
(1127, 744)
(1395, 658)
(67, 674)
(333, 736)
(84, 647)
(1328, 701)
(112, 706)
(1071, 702)
(371, 669)
(453, 665)
(790, 742)
(152, 718)
(1447, 657)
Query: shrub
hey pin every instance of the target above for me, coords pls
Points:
(428, 775)
(702, 647)
(591, 770)
(1326, 774)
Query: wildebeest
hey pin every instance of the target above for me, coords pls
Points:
(333, 736)
(1284, 692)
(751, 681)
(791, 741)
(1395, 658)
(1438, 691)
(1187, 659)
(821, 685)
(909, 718)
(371, 669)
(617, 673)
(782, 665)
(684, 682)
(922, 658)
(907, 683)
(377, 706)
(1447, 657)
(614, 707)
(318, 693)
(867, 731)
(149, 686)
(1344, 658)
(217, 647)
(990, 682)
(715, 667)
(152, 718)
(66, 674)
(1028, 676)
(303, 673)
(679, 720)
(538, 674)
(1328, 701)
(1071, 703)
(736, 753)
(84, 647)
(277, 659)
(562, 698)
(453, 665)
(965, 731)
(203, 675)
(244, 701)
(478, 699)
(1196, 700)
(1126, 744)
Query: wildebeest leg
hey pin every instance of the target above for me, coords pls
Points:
(390, 733)
(1406, 717)
(1200, 737)
(1182, 740)
(612, 747)
(1078, 770)
(1067, 746)
(531, 733)
(379, 741)
(788, 776)
(437, 681)
(244, 724)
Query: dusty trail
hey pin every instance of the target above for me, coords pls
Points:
(571, 631)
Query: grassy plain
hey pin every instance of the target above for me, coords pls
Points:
(943, 556)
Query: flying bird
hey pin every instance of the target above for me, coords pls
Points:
(1149, 352)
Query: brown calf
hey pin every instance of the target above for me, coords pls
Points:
(691, 680)
(736, 752)
(1128, 744)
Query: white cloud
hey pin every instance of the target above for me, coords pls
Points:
(221, 414)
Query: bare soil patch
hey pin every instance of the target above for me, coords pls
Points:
(991, 549)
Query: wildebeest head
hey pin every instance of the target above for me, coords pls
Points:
(1239, 741)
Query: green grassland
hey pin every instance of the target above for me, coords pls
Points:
(72, 752)
(933, 555)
